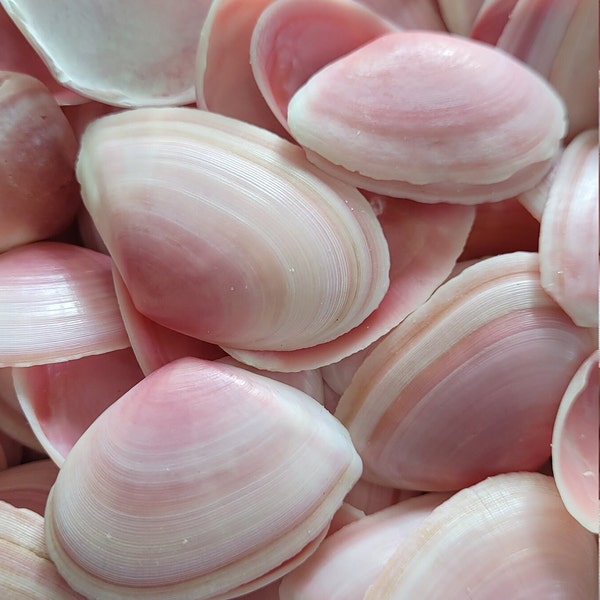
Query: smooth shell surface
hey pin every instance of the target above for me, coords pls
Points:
(270, 253)
(450, 119)
(195, 484)
(148, 58)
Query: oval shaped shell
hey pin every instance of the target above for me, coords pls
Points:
(203, 479)
(452, 120)
(469, 384)
(270, 253)
(506, 537)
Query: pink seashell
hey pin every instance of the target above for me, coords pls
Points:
(58, 303)
(492, 134)
(61, 400)
(125, 68)
(38, 191)
(575, 445)
(490, 20)
(146, 500)
(492, 341)
(305, 243)
(25, 569)
(225, 83)
(506, 537)
(284, 56)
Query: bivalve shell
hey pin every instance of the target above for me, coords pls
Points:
(204, 481)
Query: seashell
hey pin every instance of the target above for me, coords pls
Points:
(154, 345)
(424, 243)
(61, 400)
(270, 254)
(551, 37)
(125, 70)
(58, 303)
(144, 506)
(569, 249)
(348, 562)
(282, 60)
(575, 445)
(225, 83)
(469, 384)
(38, 191)
(28, 485)
(506, 537)
(491, 135)
(25, 569)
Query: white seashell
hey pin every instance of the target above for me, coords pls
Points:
(506, 537)
(490, 135)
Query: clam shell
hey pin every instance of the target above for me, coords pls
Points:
(506, 537)
(203, 481)
(490, 135)
(569, 245)
(125, 68)
(270, 253)
(575, 445)
(282, 60)
(349, 561)
(469, 384)
(225, 82)
(58, 304)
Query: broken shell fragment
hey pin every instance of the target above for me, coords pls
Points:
(490, 134)
(469, 385)
(270, 253)
(194, 485)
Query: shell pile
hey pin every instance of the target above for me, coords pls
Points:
(299, 299)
